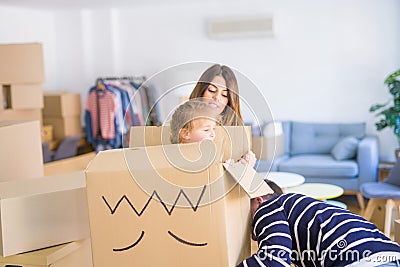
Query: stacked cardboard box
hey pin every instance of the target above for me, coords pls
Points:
(36, 212)
(72, 254)
(42, 212)
(62, 110)
(21, 78)
(21, 150)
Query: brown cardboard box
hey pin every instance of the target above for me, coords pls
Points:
(21, 96)
(171, 205)
(21, 63)
(21, 150)
(23, 114)
(42, 212)
(73, 254)
(267, 148)
(78, 163)
(141, 136)
(61, 104)
(65, 126)
(47, 133)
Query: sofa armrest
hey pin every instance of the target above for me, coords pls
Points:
(368, 159)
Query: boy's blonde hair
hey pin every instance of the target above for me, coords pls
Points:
(187, 112)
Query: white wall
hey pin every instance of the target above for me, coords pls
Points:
(327, 61)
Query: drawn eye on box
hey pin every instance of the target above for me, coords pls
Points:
(156, 196)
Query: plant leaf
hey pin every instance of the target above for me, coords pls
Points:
(392, 77)
(377, 106)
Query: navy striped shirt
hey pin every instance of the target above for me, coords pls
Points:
(308, 232)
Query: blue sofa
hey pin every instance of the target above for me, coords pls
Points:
(334, 153)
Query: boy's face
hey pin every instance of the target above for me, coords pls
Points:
(254, 204)
(202, 129)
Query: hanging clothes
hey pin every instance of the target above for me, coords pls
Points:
(113, 106)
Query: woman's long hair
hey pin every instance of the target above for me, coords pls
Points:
(231, 115)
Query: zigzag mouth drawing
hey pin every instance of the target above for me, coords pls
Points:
(181, 193)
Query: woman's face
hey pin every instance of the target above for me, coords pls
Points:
(217, 93)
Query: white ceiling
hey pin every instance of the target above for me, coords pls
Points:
(78, 4)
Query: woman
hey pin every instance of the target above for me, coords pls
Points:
(219, 87)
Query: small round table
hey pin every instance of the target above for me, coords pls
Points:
(317, 190)
(284, 179)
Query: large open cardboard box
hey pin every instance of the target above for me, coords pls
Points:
(171, 205)
(237, 139)
(21, 150)
(41, 212)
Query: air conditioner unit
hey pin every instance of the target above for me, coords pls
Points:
(240, 27)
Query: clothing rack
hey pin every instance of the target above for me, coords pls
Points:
(114, 104)
(141, 78)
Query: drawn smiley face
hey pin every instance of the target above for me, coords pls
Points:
(141, 206)
(156, 196)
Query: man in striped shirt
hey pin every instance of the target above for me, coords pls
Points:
(293, 228)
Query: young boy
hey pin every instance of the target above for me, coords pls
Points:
(293, 228)
(193, 121)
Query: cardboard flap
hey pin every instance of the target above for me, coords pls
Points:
(249, 179)
(141, 136)
(236, 138)
(46, 256)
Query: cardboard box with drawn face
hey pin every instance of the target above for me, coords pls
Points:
(171, 205)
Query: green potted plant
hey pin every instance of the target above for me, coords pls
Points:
(391, 109)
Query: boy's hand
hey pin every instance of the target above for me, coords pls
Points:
(249, 158)
(229, 161)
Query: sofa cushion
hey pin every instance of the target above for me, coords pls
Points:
(319, 166)
(346, 148)
(319, 138)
